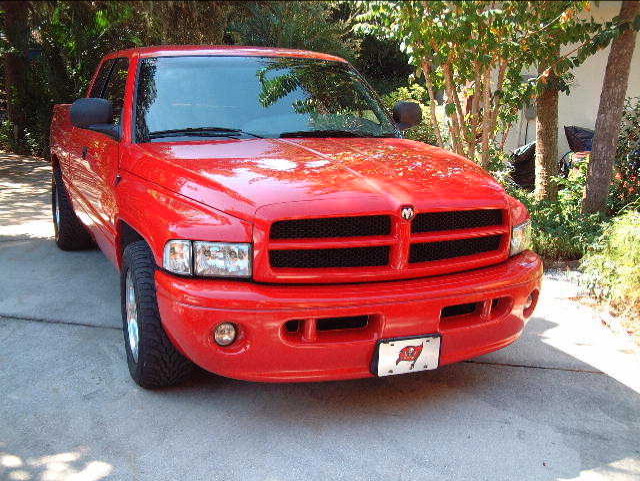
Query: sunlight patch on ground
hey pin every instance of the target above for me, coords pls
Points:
(622, 469)
(34, 228)
(68, 466)
(25, 197)
(575, 335)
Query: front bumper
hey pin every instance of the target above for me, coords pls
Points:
(267, 351)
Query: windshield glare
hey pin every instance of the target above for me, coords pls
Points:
(254, 96)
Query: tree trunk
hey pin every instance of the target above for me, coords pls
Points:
(426, 70)
(547, 140)
(15, 65)
(614, 89)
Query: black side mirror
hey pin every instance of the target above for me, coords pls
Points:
(94, 114)
(406, 114)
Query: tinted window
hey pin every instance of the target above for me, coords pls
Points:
(264, 96)
(114, 90)
(98, 85)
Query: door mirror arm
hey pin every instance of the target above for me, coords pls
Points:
(112, 130)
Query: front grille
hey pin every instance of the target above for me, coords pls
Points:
(381, 246)
(434, 251)
(318, 258)
(461, 219)
(371, 225)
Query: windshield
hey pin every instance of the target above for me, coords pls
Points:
(182, 98)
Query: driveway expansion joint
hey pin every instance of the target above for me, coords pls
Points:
(10, 317)
(529, 366)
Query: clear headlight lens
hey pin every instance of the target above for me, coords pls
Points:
(210, 259)
(521, 238)
(177, 257)
(222, 259)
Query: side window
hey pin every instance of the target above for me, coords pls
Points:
(101, 79)
(114, 89)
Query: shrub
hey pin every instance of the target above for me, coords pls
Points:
(612, 266)
(626, 181)
(560, 229)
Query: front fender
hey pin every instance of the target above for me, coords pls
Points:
(159, 215)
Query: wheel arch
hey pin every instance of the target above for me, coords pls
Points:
(125, 235)
(55, 162)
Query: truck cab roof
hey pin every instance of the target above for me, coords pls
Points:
(221, 50)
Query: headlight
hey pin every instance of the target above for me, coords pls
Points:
(209, 259)
(520, 238)
(222, 259)
(177, 257)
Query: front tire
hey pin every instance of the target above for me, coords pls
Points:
(70, 233)
(153, 360)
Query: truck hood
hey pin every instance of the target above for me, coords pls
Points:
(240, 177)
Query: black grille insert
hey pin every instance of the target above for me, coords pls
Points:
(335, 323)
(459, 310)
(459, 219)
(317, 258)
(370, 225)
(292, 326)
(434, 251)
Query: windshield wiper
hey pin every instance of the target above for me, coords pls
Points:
(200, 132)
(327, 133)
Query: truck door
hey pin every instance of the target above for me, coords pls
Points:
(95, 163)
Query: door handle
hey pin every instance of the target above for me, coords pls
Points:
(85, 151)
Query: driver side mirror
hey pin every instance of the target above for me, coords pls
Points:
(94, 114)
(406, 114)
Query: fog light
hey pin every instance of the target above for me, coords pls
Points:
(224, 334)
(530, 303)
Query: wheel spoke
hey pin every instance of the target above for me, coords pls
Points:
(133, 332)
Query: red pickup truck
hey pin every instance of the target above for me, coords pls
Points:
(270, 223)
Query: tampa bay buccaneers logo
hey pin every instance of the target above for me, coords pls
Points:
(409, 354)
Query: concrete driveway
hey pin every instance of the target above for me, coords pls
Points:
(562, 403)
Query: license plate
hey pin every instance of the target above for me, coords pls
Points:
(407, 354)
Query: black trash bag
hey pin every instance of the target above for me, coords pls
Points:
(523, 160)
(579, 138)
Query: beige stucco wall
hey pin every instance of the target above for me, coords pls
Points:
(580, 107)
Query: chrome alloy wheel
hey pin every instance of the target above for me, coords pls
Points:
(56, 210)
(132, 316)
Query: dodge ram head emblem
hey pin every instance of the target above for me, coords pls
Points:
(407, 213)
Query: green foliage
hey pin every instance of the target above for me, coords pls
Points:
(626, 181)
(476, 52)
(560, 229)
(304, 25)
(500, 166)
(179, 22)
(612, 266)
(71, 38)
(382, 63)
